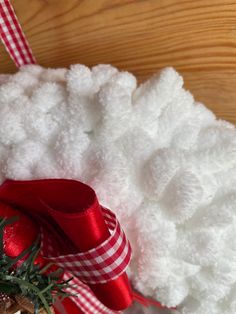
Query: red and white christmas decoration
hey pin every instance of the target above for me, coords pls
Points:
(160, 160)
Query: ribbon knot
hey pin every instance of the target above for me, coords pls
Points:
(101, 264)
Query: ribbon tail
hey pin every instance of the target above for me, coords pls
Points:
(84, 298)
(149, 302)
(13, 37)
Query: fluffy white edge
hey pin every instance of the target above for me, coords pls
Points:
(155, 156)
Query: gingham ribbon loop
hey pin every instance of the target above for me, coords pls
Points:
(13, 37)
(86, 300)
(104, 263)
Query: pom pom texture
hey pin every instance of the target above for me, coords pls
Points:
(154, 155)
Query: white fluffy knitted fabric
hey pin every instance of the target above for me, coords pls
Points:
(156, 157)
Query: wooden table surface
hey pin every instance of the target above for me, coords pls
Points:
(197, 37)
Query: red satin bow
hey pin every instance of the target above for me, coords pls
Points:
(70, 208)
(86, 230)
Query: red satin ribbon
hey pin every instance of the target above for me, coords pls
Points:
(69, 307)
(148, 302)
(74, 209)
(87, 229)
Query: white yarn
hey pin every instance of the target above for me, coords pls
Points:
(156, 157)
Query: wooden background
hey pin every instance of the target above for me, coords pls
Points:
(197, 37)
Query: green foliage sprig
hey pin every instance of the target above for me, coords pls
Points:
(27, 278)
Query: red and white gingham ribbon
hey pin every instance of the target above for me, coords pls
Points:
(104, 263)
(13, 37)
(86, 299)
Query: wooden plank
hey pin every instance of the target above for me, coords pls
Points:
(198, 38)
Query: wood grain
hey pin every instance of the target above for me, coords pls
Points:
(198, 38)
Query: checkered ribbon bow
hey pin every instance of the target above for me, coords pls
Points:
(106, 262)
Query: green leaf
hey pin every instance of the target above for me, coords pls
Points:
(27, 278)
(34, 289)
(45, 268)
